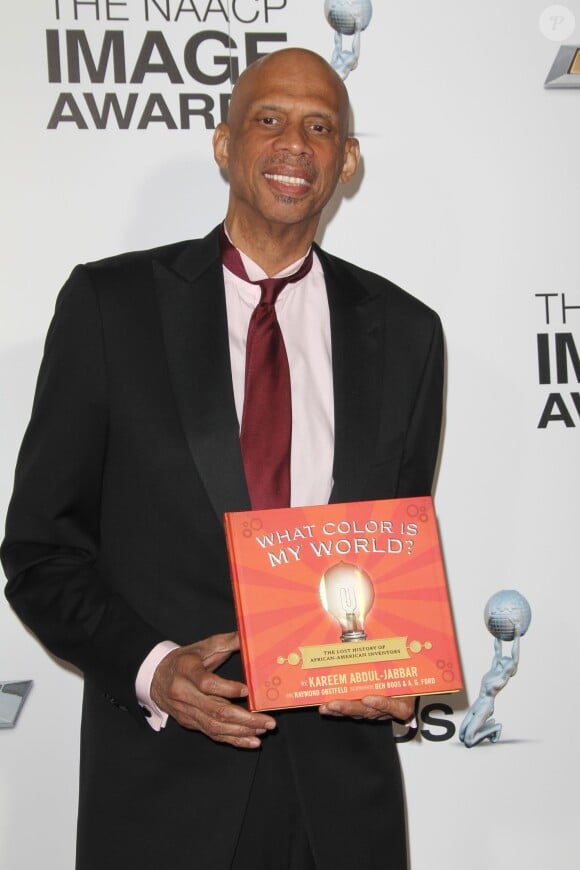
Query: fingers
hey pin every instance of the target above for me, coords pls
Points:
(200, 700)
(373, 707)
(225, 722)
(393, 708)
(215, 650)
(353, 709)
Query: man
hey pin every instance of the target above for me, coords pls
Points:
(115, 549)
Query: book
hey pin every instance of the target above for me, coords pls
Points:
(340, 601)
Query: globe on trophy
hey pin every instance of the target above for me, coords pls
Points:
(347, 18)
(507, 616)
(503, 611)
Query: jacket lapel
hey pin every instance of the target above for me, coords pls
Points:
(191, 297)
(357, 328)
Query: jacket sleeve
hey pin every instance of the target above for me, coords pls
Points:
(421, 446)
(50, 552)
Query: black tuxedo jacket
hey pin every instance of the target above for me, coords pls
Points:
(115, 541)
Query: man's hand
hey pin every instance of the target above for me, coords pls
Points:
(185, 687)
(372, 707)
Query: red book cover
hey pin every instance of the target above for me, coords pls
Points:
(341, 601)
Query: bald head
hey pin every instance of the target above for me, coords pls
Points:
(292, 66)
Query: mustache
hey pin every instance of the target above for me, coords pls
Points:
(288, 161)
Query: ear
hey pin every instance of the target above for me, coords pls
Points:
(221, 143)
(351, 159)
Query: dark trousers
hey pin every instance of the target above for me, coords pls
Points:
(274, 834)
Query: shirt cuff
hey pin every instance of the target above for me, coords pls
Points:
(156, 718)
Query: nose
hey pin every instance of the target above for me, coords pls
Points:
(294, 139)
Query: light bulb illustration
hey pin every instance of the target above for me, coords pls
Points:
(347, 594)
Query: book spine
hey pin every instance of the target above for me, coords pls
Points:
(231, 548)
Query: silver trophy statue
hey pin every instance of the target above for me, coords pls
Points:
(347, 18)
(507, 616)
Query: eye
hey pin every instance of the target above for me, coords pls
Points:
(268, 121)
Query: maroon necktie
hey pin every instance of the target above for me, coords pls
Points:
(266, 430)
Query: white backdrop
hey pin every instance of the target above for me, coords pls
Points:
(469, 199)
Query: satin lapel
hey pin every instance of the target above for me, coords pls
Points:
(193, 312)
(357, 327)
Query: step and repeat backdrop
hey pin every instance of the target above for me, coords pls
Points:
(468, 114)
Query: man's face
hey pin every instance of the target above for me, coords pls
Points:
(285, 146)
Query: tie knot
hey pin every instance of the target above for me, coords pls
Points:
(271, 289)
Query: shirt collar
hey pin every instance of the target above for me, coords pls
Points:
(256, 273)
